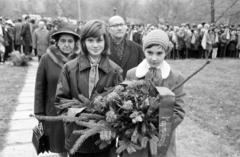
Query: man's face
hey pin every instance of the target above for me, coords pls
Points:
(41, 24)
(117, 27)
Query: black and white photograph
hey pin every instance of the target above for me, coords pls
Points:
(120, 78)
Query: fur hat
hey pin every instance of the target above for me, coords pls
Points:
(157, 37)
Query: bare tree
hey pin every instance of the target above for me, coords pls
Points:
(212, 2)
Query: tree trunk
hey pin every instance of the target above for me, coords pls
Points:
(212, 11)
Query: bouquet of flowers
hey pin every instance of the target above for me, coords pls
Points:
(130, 111)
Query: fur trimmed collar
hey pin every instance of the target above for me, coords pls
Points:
(58, 58)
(143, 68)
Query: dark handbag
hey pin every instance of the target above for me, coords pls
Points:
(39, 139)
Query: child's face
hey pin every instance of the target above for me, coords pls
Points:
(155, 55)
(95, 46)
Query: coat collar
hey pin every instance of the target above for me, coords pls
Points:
(143, 68)
(84, 63)
(57, 57)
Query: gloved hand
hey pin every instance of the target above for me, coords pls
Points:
(164, 91)
(167, 97)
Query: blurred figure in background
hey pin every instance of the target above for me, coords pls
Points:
(40, 39)
(17, 35)
(26, 36)
(2, 40)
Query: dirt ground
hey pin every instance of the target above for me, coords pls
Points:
(212, 124)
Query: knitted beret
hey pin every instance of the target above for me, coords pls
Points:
(156, 37)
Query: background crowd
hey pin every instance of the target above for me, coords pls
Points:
(31, 36)
(197, 41)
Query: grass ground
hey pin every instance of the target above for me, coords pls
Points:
(212, 126)
(11, 82)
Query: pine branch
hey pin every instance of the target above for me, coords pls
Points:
(94, 128)
(57, 118)
(153, 145)
(83, 117)
(87, 124)
(92, 116)
(80, 132)
(69, 104)
(83, 138)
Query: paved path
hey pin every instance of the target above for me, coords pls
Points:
(18, 139)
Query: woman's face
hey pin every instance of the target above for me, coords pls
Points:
(66, 43)
(155, 55)
(95, 46)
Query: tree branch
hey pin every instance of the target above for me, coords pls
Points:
(226, 10)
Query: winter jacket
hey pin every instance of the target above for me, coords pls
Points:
(48, 72)
(74, 81)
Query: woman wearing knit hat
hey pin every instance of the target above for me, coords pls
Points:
(156, 46)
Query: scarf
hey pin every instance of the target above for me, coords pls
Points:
(93, 74)
(154, 75)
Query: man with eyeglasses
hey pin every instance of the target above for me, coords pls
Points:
(124, 52)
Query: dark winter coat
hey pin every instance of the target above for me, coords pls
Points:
(132, 56)
(26, 34)
(74, 81)
(17, 33)
(45, 88)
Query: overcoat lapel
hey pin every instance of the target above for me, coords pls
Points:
(126, 54)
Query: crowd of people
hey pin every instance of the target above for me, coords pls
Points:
(27, 35)
(32, 36)
(197, 41)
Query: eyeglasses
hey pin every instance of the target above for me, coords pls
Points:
(117, 25)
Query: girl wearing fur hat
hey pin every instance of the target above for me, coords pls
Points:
(48, 72)
(156, 46)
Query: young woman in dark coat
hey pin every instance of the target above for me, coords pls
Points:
(48, 73)
(90, 73)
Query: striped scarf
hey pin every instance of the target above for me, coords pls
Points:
(93, 74)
